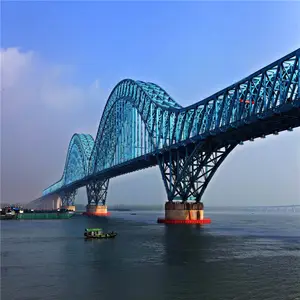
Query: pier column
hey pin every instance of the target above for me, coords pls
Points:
(96, 193)
(184, 212)
(57, 203)
(68, 199)
(48, 203)
(96, 210)
(186, 172)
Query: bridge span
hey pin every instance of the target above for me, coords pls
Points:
(143, 126)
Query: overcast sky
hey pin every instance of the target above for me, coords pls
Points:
(60, 60)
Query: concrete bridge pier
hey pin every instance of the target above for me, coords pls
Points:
(184, 213)
(186, 173)
(48, 203)
(96, 210)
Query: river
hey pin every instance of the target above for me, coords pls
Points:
(241, 255)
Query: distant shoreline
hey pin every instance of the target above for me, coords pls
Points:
(131, 208)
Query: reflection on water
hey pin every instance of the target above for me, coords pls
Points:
(186, 245)
(240, 256)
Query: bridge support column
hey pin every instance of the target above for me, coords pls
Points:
(96, 210)
(184, 213)
(48, 203)
(96, 193)
(186, 172)
(57, 203)
(68, 200)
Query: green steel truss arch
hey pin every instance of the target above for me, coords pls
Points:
(77, 161)
(142, 126)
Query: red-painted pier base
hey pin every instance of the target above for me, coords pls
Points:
(93, 214)
(201, 222)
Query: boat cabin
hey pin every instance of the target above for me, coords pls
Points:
(90, 232)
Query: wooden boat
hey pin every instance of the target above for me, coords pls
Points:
(97, 233)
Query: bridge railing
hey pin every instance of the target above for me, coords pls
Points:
(256, 97)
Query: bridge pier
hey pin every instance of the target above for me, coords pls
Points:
(96, 210)
(186, 173)
(96, 193)
(68, 200)
(184, 213)
(48, 203)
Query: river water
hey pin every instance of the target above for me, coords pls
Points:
(241, 255)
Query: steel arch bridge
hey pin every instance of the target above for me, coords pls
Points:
(143, 126)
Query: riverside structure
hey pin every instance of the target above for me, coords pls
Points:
(143, 126)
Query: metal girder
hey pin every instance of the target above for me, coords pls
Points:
(68, 197)
(141, 119)
(187, 176)
(97, 191)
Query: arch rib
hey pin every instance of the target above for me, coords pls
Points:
(141, 115)
(150, 102)
(83, 143)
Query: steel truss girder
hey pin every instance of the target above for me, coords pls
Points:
(97, 191)
(68, 197)
(186, 175)
(157, 122)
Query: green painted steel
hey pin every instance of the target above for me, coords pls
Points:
(93, 229)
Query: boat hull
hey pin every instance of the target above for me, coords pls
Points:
(104, 236)
(45, 216)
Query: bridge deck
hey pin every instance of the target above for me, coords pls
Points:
(141, 123)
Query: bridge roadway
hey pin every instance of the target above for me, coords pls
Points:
(142, 126)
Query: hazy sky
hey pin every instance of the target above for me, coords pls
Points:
(60, 60)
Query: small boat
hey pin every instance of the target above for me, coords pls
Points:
(97, 233)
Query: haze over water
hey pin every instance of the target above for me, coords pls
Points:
(241, 255)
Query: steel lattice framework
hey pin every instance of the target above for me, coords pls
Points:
(142, 126)
(77, 161)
